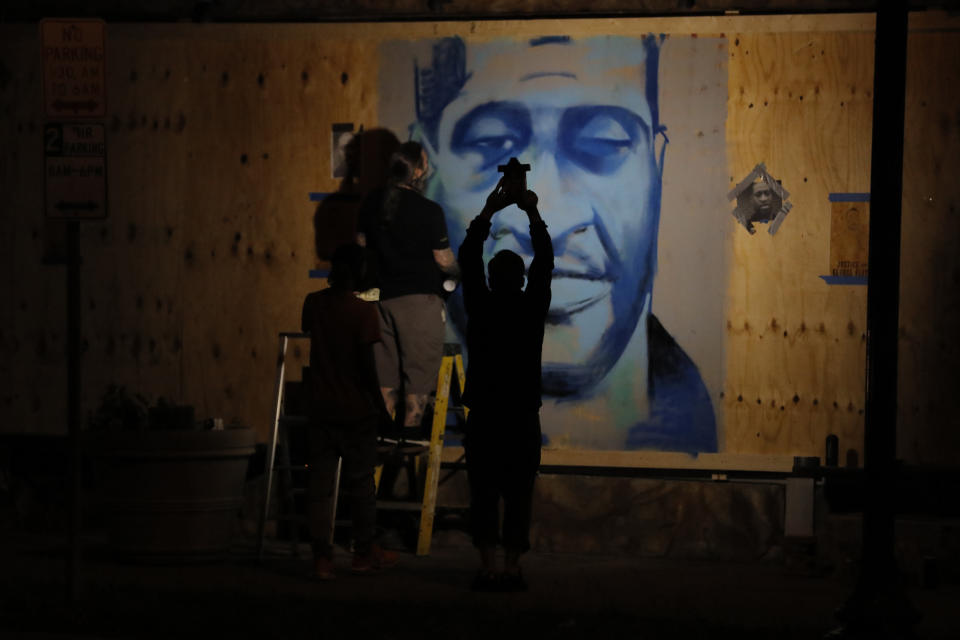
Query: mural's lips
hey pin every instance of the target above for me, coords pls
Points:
(572, 293)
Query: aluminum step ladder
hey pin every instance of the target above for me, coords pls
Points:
(279, 447)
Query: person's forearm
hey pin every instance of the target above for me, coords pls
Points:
(452, 270)
(447, 262)
(539, 237)
(533, 214)
(541, 267)
(471, 252)
(486, 214)
(477, 232)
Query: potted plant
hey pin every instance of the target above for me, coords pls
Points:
(170, 487)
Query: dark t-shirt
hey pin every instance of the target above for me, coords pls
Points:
(402, 229)
(341, 327)
(505, 330)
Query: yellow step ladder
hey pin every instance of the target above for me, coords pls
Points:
(452, 363)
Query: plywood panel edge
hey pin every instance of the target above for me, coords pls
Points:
(772, 463)
(706, 25)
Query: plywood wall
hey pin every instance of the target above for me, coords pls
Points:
(928, 426)
(215, 140)
(802, 104)
(217, 133)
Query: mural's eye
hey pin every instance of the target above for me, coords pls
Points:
(599, 138)
(495, 131)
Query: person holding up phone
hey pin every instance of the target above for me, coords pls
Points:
(505, 328)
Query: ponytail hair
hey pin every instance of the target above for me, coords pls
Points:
(404, 161)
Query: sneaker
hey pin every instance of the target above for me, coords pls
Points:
(323, 569)
(373, 561)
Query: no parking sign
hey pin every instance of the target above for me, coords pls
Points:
(74, 87)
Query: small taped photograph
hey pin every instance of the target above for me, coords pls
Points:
(761, 199)
(341, 134)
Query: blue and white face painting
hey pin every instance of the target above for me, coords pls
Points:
(577, 112)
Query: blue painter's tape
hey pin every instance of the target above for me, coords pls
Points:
(861, 280)
(849, 197)
(536, 42)
(317, 197)
(319, 273)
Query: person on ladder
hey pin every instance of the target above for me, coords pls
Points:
(345, 410)
(505, 326)
(406, 234)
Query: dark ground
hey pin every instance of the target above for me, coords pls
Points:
(570, 596)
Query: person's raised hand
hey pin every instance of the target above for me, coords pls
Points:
(497, 200)
(528, 201)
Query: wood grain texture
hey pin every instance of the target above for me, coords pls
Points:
(33, 338)
(217, 133)
(928, 426)
(380, 10)
(801, 104)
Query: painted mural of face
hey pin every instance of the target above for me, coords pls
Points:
(578, 113)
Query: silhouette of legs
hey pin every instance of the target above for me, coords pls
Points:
(503, 454)
(356, 443)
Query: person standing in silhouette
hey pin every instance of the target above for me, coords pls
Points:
(505, 327)
(345, 407)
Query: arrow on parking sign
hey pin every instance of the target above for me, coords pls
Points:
(76, 105)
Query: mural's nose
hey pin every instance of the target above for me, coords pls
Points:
(565, 208)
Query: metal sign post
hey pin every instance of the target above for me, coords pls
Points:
(75, 189)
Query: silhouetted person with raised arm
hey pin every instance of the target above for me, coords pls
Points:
(505, 325)
(345, 407)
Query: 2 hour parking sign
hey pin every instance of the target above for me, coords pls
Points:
(75, 171)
